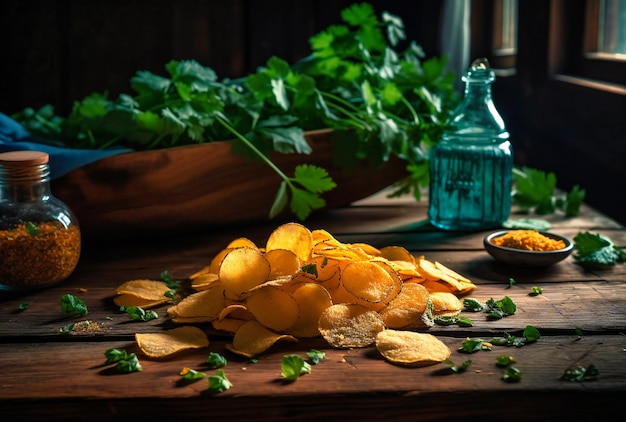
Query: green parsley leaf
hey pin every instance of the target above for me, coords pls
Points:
(596, 251)
(215, 360)
(129, 364)
(470, 345)
(23, 306)
(219, 383)
(125, 362)
(511, 283)
(581, 373)
(137, 313)
(472, 305)
(512, 374)
(536, 291)
(451, 320)
(497, 309)
(32, 229)
(458, 369)
(292, 366)
(504, 360)
(66, 329)
(191, 374)
(72, 305)
(315, 356)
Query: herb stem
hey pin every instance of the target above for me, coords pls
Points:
(253, 148)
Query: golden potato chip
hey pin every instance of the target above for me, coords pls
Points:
(214, 266)
(445, 304)
(273, 307)
(230, 325)
(347, 325)
(291, 236)
(253, 338)
(241, 269)
(368, 249)
(203, 281)
(145, 289)
(236, 311)
(410, 348)
(241, 241)
(407, 308)
(313, 299)
(321, 238)
(397, 253)
(206, 304)
(132, 300)
(159, 345)
(283, 262)
(437, 286)
(370, 282)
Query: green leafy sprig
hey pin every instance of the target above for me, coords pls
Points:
(383, 101)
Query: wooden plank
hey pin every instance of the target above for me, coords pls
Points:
(74, 375)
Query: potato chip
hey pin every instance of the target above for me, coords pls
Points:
(253, 338)
(241, 241)
(241, 269)
(350, 325)
(132, 300)
(410, 348)
(273, 307)
(229, 325)
(370, 282)
(203, 281)
(236, 311)
(160, 345)
(407, 308)
(214, 266)
(397, 253)
(445, 304)
(206, 304)
(313, 299)
(370, 250)
(283, 262)
(291, 236)
(145, 289)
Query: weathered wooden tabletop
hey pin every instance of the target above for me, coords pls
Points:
(47, 375)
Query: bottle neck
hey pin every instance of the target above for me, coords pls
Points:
(25, 184)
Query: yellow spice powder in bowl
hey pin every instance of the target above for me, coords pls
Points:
(528, 247)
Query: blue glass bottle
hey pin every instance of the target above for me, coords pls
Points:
(471, 166)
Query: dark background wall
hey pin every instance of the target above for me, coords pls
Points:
(58, 51)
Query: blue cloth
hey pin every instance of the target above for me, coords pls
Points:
(14, 137)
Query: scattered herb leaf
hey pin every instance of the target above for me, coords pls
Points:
(596, 251)
(504, 360)
(472, 305)
(315, 356)
(73, 305)
(219, 383)
(512, 374)
(292, 366)
(215, 360)
(125, 362)
(581, 373)
(458, 369)
(191, 374)
(137, 313)
(23, 306)
(536, 291)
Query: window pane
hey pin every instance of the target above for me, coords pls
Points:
(612, 27)
(505, 39)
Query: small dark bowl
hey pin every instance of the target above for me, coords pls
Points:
(521, 257)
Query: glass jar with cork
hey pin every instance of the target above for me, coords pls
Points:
(40, 240)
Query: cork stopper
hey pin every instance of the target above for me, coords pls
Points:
(15, 159)
(23, 167)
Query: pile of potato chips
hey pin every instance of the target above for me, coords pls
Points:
(303, 284)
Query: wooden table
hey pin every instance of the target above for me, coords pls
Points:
(46, 375)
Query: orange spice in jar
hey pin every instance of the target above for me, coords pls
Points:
(40, 239)
(528, 240)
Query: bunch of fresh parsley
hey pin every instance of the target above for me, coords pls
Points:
(382, 101)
